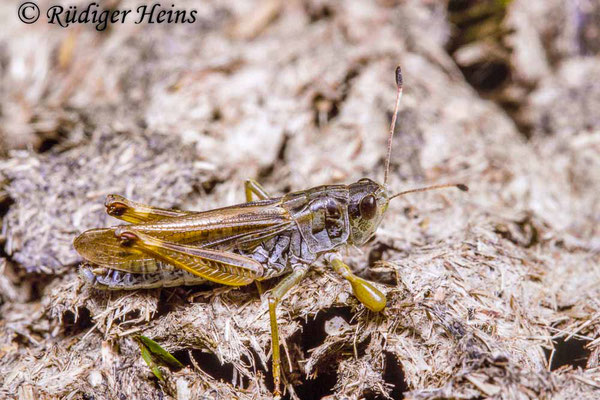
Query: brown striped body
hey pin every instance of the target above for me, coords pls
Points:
(276, 233)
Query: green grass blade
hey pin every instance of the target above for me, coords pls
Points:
(159, 354)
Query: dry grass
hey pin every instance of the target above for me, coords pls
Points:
(493, 293)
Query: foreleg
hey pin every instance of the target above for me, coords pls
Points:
(364, 290)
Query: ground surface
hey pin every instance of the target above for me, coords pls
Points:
(493, 293)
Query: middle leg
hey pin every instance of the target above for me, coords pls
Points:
(275, 297)
(253, 188)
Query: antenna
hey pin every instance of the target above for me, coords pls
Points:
(393, 126)
(460, 186)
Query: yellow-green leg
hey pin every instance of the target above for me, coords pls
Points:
(364, 290)
(254, 188)
(275, 297)
(218, 266)
(135, 213)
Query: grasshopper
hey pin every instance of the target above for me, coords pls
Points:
(265, 237)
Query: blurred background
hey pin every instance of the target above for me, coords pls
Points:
(502, 95)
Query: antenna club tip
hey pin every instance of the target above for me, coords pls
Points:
(399, 77)
(462, 187)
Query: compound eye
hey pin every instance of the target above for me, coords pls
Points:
(368, 207)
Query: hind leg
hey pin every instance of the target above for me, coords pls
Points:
(136, 213)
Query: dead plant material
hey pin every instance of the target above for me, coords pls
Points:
(493, 294)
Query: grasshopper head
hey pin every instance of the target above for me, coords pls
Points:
(368, 202)
(368, 199)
